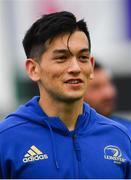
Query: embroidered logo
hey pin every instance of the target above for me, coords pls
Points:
(34, 154)
(114, 154)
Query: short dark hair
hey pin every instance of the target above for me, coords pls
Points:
(48, 27)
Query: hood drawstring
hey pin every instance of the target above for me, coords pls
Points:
(53, 144)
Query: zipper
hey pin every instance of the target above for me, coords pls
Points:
(78, 155)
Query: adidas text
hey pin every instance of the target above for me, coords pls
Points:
(35, 158)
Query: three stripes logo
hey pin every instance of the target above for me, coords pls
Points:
(34, 154)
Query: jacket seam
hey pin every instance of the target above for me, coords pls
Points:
(8, 128)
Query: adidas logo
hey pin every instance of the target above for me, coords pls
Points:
(34, 154)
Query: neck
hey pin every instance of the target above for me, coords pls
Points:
(67, 112)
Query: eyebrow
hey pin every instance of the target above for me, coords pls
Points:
(56, 51)
(84, 50)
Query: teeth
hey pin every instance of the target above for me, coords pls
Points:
(74, 82)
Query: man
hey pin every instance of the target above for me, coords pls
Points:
(56, 135)
(102, 94)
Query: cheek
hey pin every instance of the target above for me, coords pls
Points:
(87, 71)
(51, 74)
(114, 92)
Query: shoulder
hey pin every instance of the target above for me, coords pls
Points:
(105, 122)
(121, 120)
(110, 123)
(9, 123)
(19, 117)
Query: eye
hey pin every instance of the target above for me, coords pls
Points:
(61, 59)
(84, 58)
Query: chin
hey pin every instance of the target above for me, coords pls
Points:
(71, 99)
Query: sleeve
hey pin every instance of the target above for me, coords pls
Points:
(3, 167)
(128, 170)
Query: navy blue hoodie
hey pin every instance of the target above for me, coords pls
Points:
(33, 145)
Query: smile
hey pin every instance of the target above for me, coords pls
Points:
(74, 81)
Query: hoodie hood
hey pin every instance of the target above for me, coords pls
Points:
(31, 111)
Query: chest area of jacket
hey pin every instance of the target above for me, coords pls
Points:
(66, 157)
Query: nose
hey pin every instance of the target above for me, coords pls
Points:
(74, 66)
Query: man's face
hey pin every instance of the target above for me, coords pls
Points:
(101, 93)
(65, 68)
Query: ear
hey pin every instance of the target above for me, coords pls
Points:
(32, 69)
(92, 64)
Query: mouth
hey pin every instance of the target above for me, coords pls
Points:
(74, 81)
